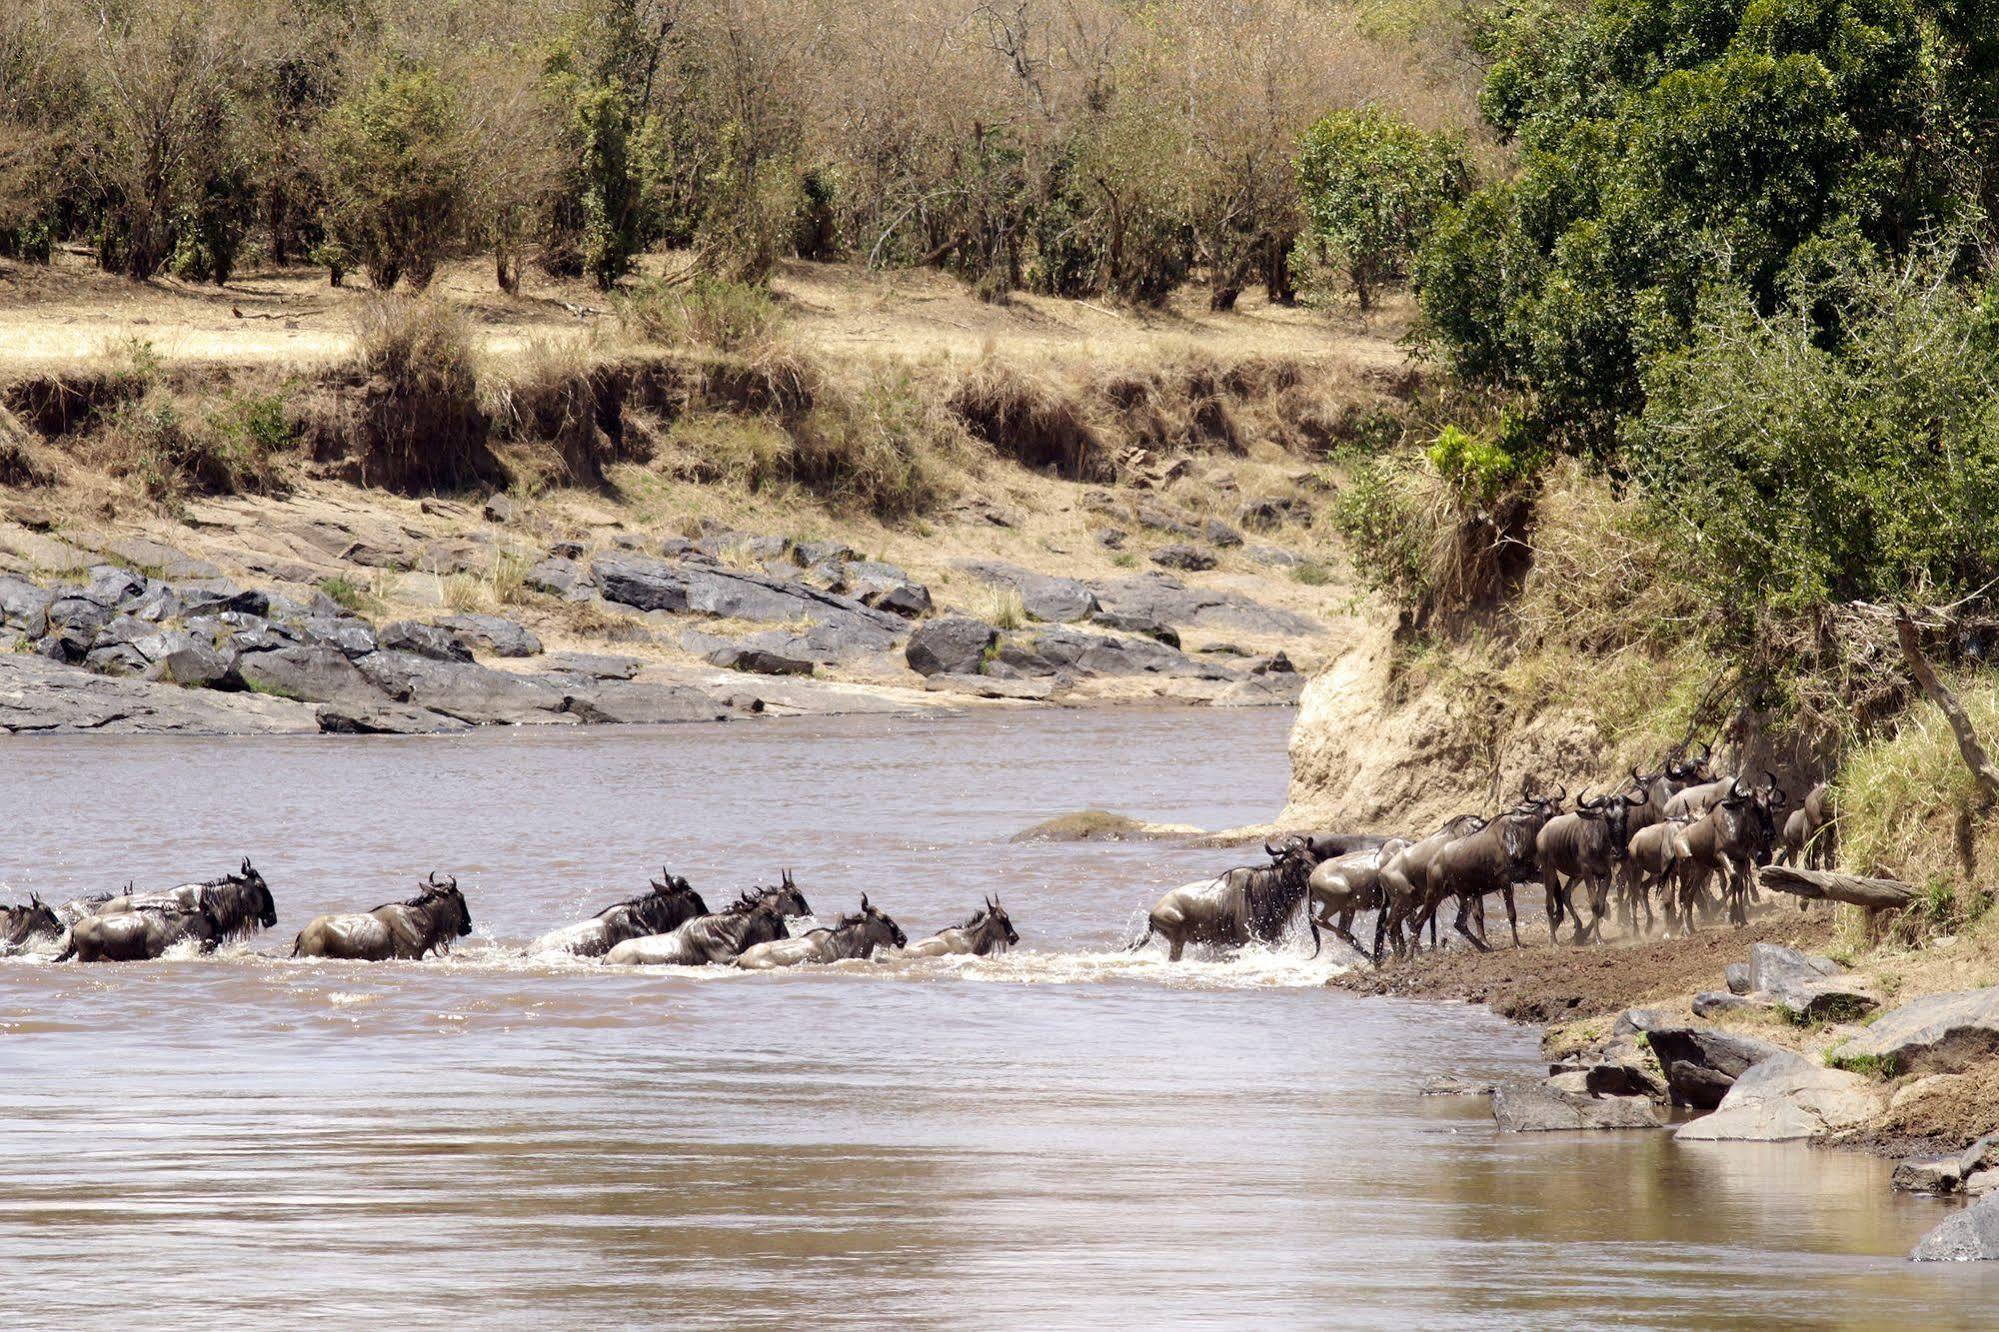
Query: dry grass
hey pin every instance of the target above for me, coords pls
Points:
(1032, 419)
(998, 605)
(729, 317)
(423, 427)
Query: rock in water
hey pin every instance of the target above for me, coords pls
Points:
(1940, 1033)
(1970, 1236)
(1784, 1098)
(1529, 1107)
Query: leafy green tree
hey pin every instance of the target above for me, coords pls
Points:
(1667, 144)
(1373, 185)
(395, 173)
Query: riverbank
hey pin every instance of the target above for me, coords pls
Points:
(1150, 525)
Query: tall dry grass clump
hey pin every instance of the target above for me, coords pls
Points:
(422, 424)
(1029, 418)
(701, 312)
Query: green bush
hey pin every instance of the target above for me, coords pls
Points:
(702, 312)
(1372, 185)
(396, 178)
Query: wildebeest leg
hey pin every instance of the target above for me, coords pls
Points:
(1552, 886)
(1174, 945)
(1512, 913)
(1464, 909)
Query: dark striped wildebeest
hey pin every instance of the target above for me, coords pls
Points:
(238, 903)
(1245, 905)
(135, 936)
(989, 931)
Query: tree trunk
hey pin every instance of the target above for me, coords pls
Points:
(1853, 889)
(1975, 757)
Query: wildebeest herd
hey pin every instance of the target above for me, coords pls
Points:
(669, 923)
(1674, 833)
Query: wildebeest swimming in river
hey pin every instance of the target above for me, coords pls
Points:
(134, 936)
(989, 931)
(664, 908)
(856, 936)
(718, 937)
(430, 920)
(1251, 903)
(22, 927)
(238, 903)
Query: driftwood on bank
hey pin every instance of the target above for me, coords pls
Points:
(1818, 885)
(1975, 757)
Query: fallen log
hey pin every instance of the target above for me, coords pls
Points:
(1853, 889)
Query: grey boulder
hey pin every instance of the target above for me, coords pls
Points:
(1529, 1107)
(1784, 1098)
(953, 645)
(314, 674)
(1940, 1033)
(494, 633)
(425, 640)
(1970, 1236)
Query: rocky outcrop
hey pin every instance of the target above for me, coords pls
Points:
(1970, 1236)
(38, 695)
(1530, 1107)
(1784, 1098)
(1940, 1033)
(1701, 1064)
(494, 635)
(1809, 988)
(1042, 596)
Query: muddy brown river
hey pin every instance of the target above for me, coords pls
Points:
(1065, 1137)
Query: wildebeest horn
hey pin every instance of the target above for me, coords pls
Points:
(246, 864)
(1641, 796)
(864, 901)
(1561, 794)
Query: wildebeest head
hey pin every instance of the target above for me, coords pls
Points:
(257, 893)
(443, 895)
(992, 920)
(1696, 770)
(23, 923)
(876, 925)
(789, 900)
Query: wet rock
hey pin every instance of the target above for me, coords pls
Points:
(1449, 1084)
(1787, 1097)
(386, 719)
(1701, 1064)
(495, 634)
(1927, 1174)
(1939, 1033)
(953, 645)
(313, 674)
(350, 635)
(757, 661)
(1183, 556)
(1158, 630)
(1736, 976)
(592, 665)
(1221, 534)
(986, 686)
(425, 640)
(1527, 1107)
(465, 690)
(631, 703)
(39, 696)
(1970, 1236)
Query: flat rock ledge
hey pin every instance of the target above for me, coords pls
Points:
(1536, 1107)
(1939, 1033)
(1970, 1236)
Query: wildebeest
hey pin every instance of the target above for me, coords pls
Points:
(1584, 846)
(667, 905)
(1492, 860)
(718, 937)
(1346, 885)
(1810, 831)
(989, 931)
(1245, 904)
(1654, 856)
(78, 907)
(1730, 839)
(21, 927)
(1405, 882)
(134, 936)
(850, 937)
(430, 920)
(238, 903)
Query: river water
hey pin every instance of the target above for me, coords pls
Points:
(1067, 1137)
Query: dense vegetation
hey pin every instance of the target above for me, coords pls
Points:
(1077, 147)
